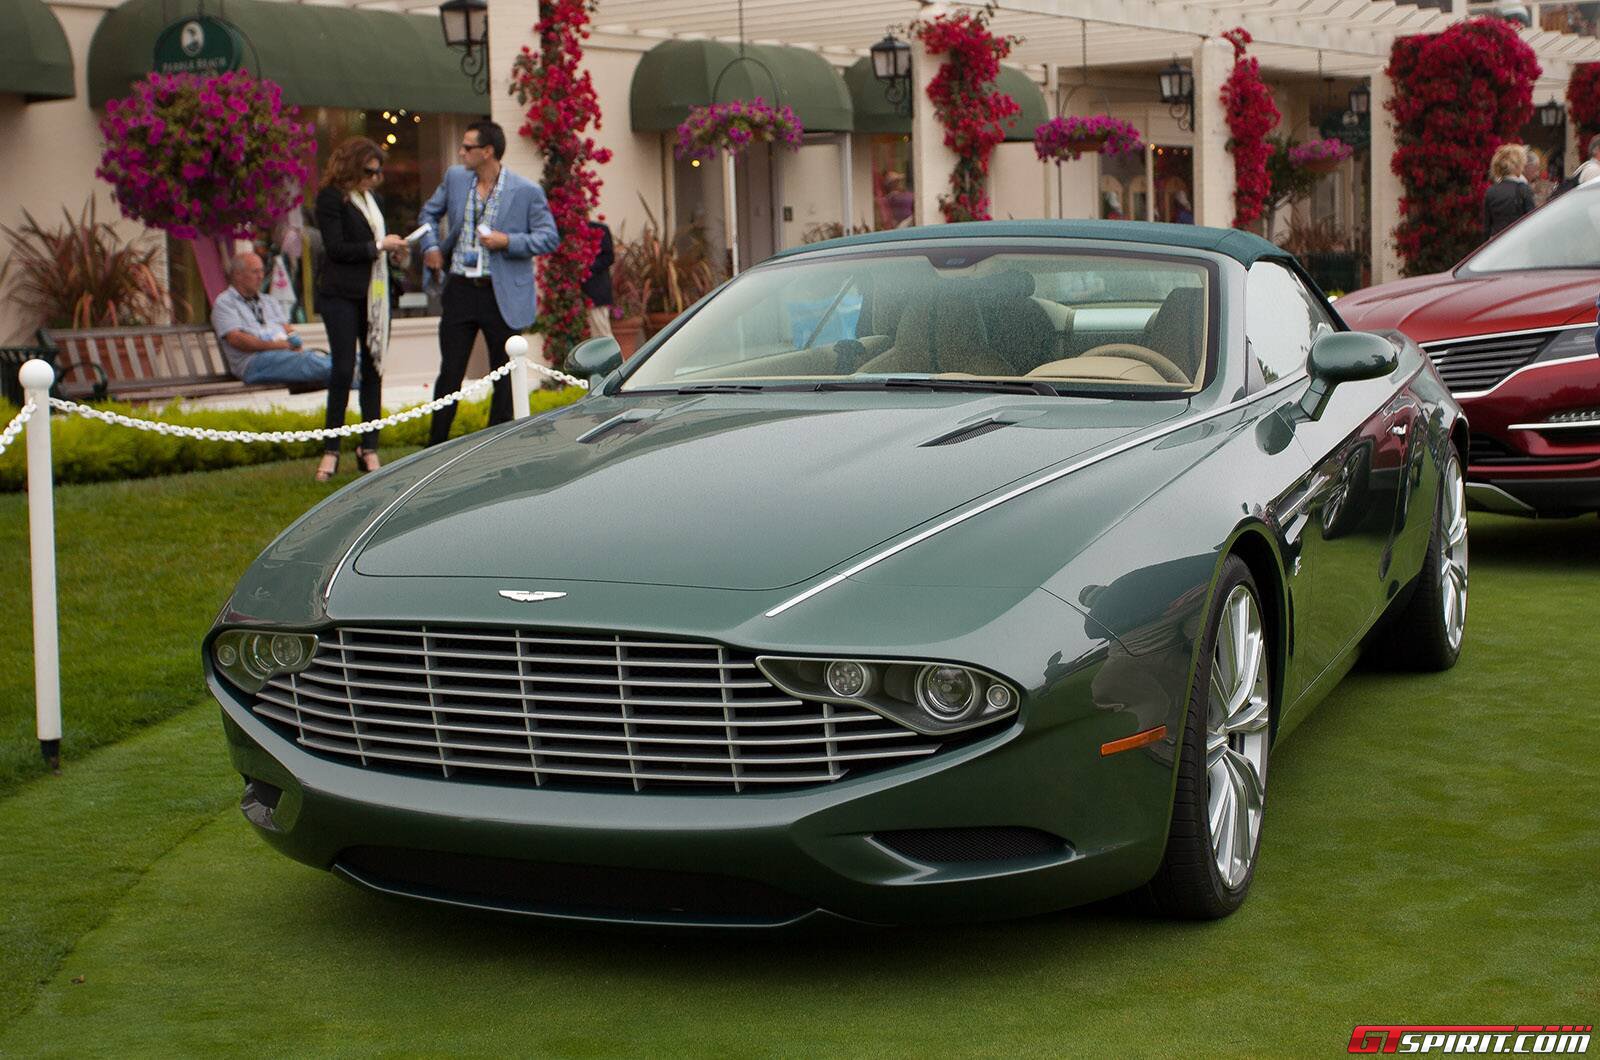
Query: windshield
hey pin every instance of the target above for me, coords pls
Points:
(1563, 234)
(946, 317)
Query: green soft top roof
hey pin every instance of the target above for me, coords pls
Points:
(1241, 246)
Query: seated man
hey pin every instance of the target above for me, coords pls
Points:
(258, 342)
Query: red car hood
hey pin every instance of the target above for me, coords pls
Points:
(1444, 306)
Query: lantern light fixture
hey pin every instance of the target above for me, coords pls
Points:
(1552, 114)
(466, 26)
(1176, 84)
(1360, 100)
(891, 64)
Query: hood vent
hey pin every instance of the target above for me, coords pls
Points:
(967, 433)
(634, 421)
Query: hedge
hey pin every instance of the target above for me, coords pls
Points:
(86, 450)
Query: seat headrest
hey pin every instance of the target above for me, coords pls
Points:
(1009, 285)
(1177, 330)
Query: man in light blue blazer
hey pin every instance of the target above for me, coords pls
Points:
(484, 226)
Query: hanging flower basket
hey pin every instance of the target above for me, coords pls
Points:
(1320, 156)
(732, 127)
(1066, 138)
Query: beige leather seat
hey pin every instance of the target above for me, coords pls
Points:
(940, 330)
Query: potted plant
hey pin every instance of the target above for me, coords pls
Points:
(1066, 138)
(734, 126)
(1320, 157)
(668, 276)
(628, 292)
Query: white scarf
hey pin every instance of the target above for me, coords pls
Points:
(378, 287)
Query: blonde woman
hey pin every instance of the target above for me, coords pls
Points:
(1509, 197)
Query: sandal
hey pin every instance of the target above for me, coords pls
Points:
(366, 459)
(325, 470)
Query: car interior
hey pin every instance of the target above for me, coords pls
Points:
(1000, 319)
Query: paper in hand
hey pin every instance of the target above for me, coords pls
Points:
(421, 231)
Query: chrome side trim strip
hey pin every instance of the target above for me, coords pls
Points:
(1501, 335)
(1182, 423)
(1525, 368)
(1565, 425)
(371, 527)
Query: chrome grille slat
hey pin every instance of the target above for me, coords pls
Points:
(1469, 365)
(569, 707)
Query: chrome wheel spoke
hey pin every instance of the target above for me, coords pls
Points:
(1237, 724)
(1250, 717)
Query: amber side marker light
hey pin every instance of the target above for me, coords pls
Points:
(1138, 739)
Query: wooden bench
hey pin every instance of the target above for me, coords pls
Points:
(141, 364)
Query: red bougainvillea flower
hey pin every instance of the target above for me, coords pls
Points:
(966, 103)
(205, 156)
(1252, 114)
(1062, 138)
(1458, 95)
(561, 107)
(1583, 102)
(735, 126)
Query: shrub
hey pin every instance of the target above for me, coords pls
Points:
(82, 274)
(89, 451)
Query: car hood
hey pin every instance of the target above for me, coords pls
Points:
(1447, 306)
(752, 491)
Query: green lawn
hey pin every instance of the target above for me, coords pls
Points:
(1431, 855)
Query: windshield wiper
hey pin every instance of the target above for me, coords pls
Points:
(993, 386)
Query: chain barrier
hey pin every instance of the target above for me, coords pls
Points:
(208, 434)
(14, 428)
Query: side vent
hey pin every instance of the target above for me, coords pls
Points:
(627, 423)
(965, 846)
(967, 433)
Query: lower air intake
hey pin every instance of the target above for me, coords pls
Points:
(960, 846)
(571, 890)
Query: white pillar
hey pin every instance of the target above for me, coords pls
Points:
(517, 350)
(931, 161)
(511, 27)
(1213, 163)
(1383, 201)
(1051, 172)
(36, 377)
(730, 211)
(846, 183)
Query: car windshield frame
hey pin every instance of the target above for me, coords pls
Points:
(1534, 229)
(966, 254)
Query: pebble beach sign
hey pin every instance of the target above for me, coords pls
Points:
(198, 45)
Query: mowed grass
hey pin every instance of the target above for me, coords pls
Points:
(1431, 853)
(143, 568)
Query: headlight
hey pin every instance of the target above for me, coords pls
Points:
(1574, 342)
(250, 658)
(931, 698)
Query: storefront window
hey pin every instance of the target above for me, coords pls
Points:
(417, 150)
(1174, 173)
(1122, 187)
(893, 196)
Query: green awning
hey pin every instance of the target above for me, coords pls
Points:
(321, 56)
(678, 74)
(35, 59)
(875, 114)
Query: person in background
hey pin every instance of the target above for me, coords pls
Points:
(258, 342)
(1182, 212)
(353, 289)
(597, 285)
(1590, 170)
(1509, 197)
(1534, 173)
(497, 221)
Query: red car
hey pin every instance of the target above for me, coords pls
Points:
(1512, 332)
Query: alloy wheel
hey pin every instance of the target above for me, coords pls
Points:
(1237, 717)
(1453, 554)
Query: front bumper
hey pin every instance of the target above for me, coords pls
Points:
(1522, 468)
(764, 860)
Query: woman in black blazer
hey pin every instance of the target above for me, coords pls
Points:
(1509, 197)
(353, 309)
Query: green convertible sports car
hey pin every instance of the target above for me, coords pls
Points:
(947, 573)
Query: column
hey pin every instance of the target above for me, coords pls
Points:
(1383, 203)
(511, 25)
(1213, 163)
(931, 161)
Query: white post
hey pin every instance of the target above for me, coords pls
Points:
(36, 377)
(846, 180)
(517, 350)
(730, 212)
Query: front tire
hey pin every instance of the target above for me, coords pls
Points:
(1220, 800)
(1427, 635)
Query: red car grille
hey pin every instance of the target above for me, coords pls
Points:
(1470, 366)
(571, 709)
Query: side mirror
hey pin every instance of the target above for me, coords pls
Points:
(1344, 357)
(595, 358)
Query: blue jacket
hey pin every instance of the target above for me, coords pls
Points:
(522, 214)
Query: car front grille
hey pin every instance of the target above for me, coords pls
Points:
(1486, 451)
(1473, 365)
(573, 710)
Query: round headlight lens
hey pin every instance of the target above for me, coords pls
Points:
(948, 693)
(287, 651)
(227, 655)
(847, 678)
(256, 653)
(998, 697)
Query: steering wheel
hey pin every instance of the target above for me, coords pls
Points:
(1132, 351)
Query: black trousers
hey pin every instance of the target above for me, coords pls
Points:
(467, 309)
(346, 321)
